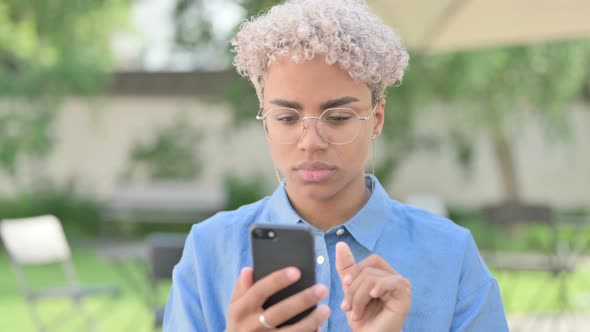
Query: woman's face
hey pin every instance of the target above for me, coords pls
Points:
(315, 168)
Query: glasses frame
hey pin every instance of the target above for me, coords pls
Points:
(262, 117)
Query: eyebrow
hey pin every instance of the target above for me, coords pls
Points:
(286, 103)
(328, 104)
(338, 102)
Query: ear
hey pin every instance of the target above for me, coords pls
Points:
(379, 117)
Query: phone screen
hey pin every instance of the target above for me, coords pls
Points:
(275, 247)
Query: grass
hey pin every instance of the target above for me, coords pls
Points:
(535, 292)
(130, 313)
(127, 313)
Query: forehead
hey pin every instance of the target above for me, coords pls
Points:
(313, 79)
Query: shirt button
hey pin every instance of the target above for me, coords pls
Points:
(340, 231)
(320, 260)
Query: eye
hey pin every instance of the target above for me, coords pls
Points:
(338, 117)
(285, 117)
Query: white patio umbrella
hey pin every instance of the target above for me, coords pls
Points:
(453, 25)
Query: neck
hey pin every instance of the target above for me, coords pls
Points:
(334, 210)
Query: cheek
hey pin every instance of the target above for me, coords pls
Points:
(354, 155)
(279, 153)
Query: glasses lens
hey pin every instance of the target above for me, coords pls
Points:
(283, 125)
(339, 125)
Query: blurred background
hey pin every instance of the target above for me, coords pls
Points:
(125, 121)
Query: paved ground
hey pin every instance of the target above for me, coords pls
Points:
(579, 322)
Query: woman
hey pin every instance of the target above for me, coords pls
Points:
(320, 69)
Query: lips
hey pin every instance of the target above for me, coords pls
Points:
(314, 171)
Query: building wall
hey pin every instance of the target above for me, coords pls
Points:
(549, 171)
(95, 137)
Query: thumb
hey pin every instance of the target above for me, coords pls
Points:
(244, 282)
(344, 262)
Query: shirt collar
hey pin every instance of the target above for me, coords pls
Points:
(366, 226)
(281, 210)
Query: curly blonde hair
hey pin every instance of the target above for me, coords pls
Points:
(344, 31)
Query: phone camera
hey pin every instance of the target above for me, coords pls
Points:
(265, 234)
(259, 233)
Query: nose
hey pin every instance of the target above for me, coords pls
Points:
(310, 138)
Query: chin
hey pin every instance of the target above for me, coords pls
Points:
(313, 190)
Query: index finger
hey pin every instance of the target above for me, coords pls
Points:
(269, 285)
(345, 264)
(348, 269)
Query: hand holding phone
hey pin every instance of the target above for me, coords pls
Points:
(281, 289)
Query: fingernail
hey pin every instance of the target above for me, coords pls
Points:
(345, 306)
(293, 273)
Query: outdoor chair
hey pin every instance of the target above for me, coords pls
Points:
(551, 259)
(164, 252)
(41, 241)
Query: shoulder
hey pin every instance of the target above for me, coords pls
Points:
(226, 223)
(445, 247)
(424, 223)
(432, 237)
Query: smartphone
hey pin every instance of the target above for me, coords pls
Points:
(275, 247)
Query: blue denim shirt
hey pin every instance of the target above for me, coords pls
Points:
(452, 289)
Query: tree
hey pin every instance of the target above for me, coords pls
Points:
(48, 49)
(195, 32)
(491, 89)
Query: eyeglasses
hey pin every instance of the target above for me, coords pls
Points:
(335, 125)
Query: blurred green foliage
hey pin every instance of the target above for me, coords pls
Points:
(243, 190)
(171, 155)
(77, 211)
(194, 30)
(49, 49)
(489, 91)
(194, 27)
(527, 237)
